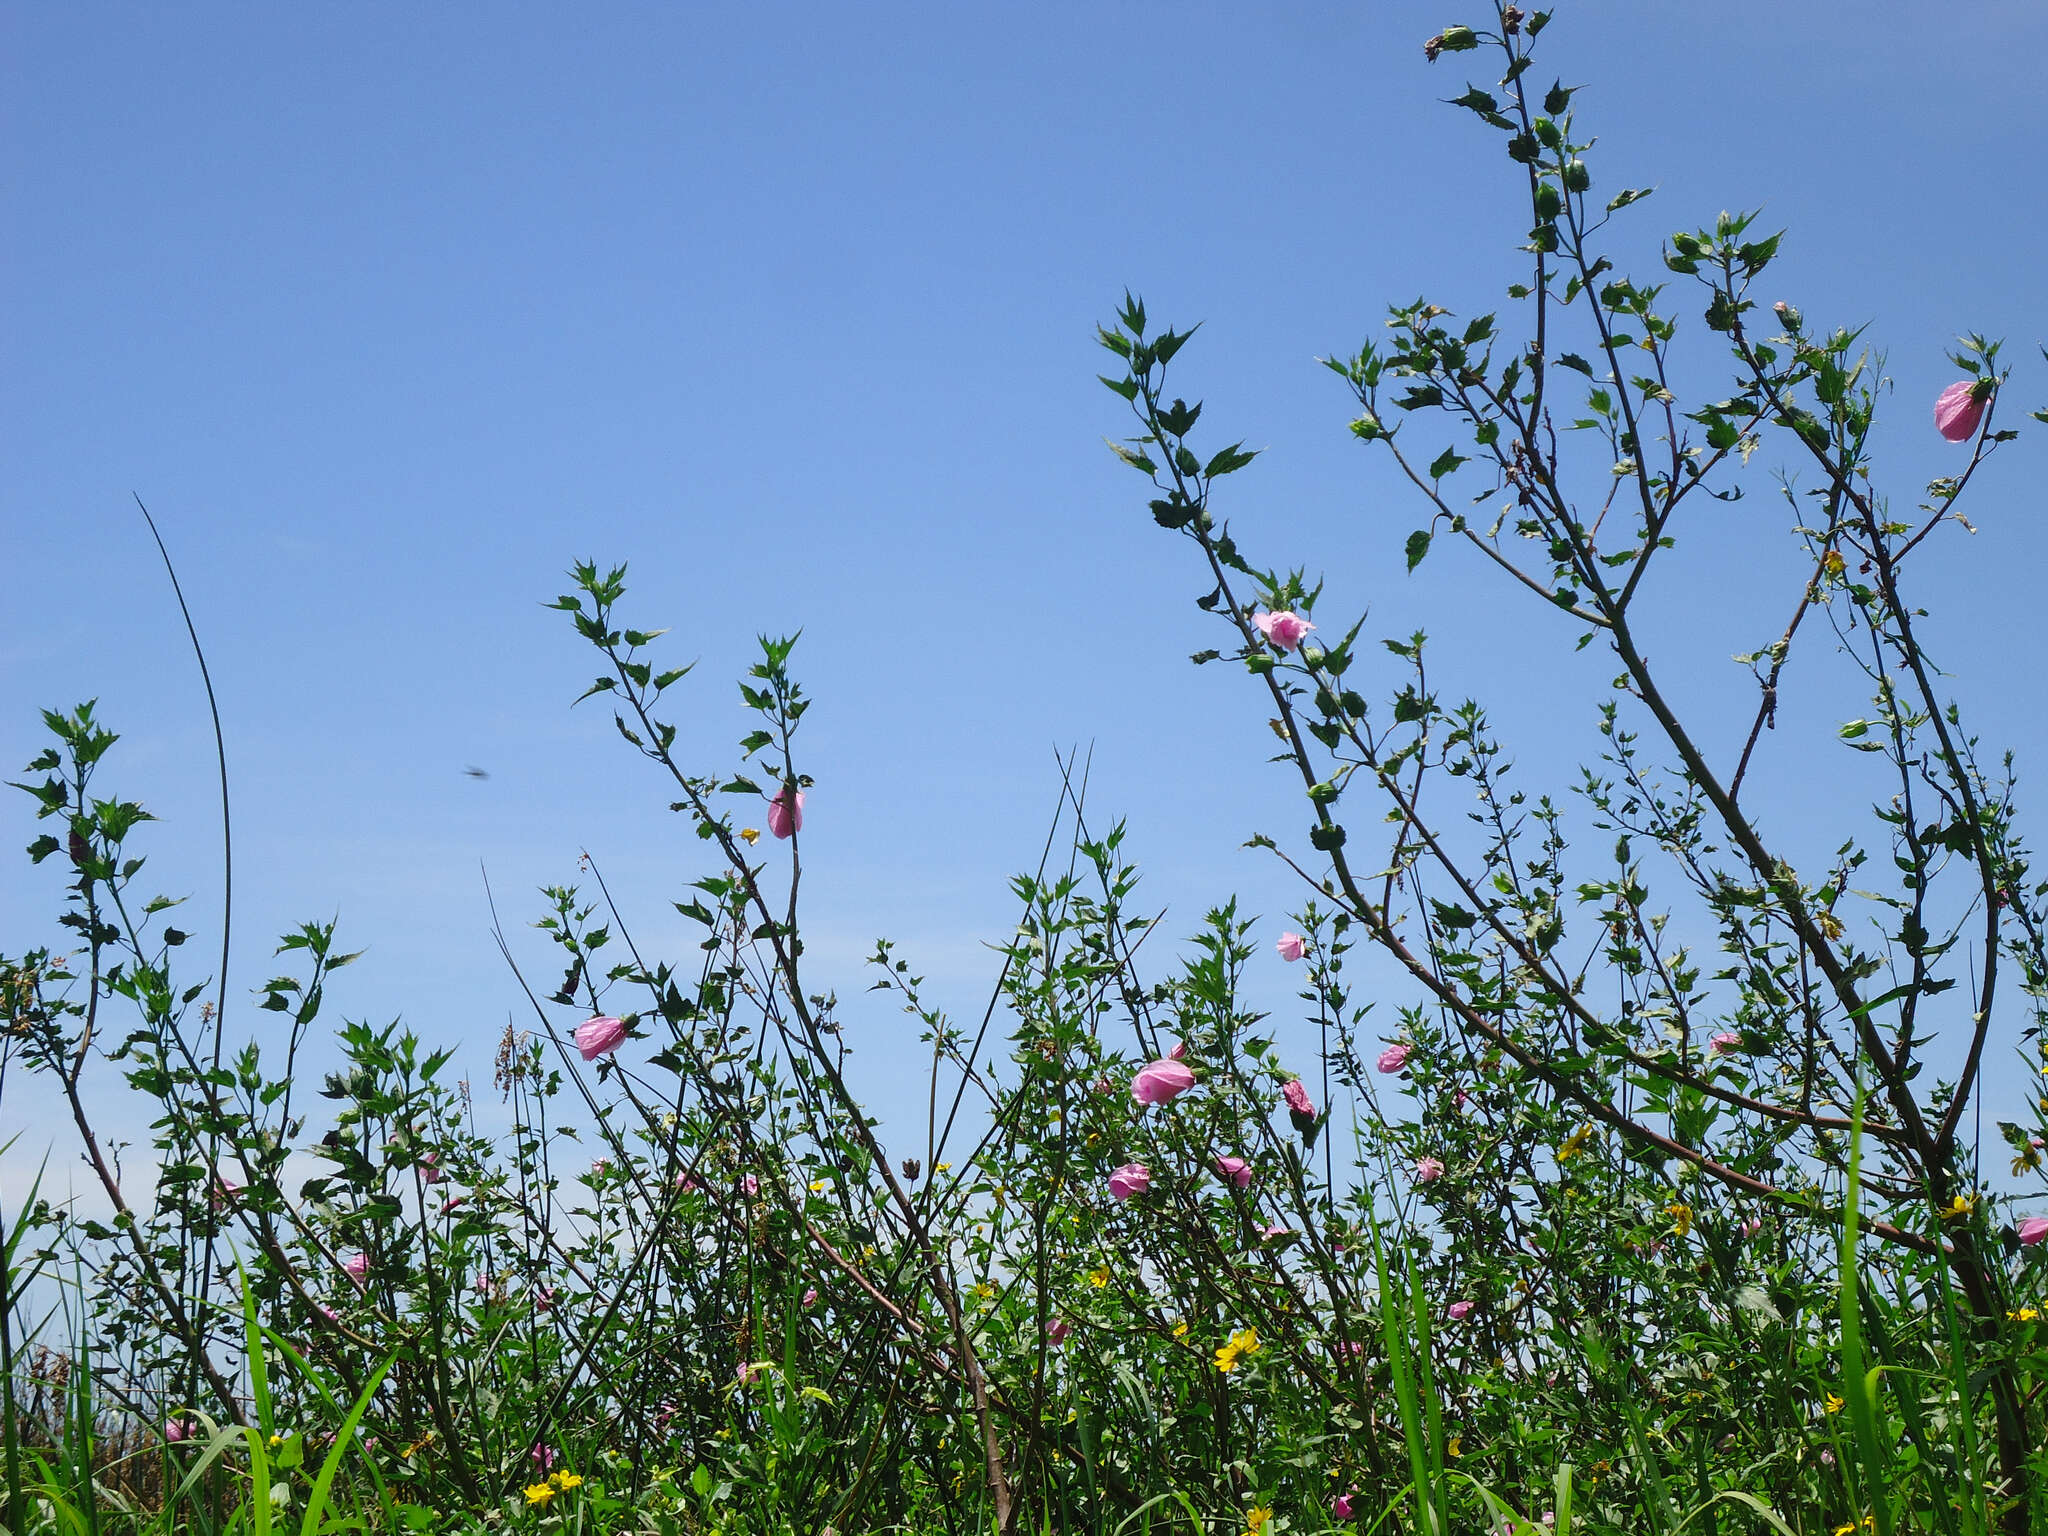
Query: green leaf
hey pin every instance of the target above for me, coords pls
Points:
(1134, 458)
(1229, 461)
(1418, 546)
(1444, 463)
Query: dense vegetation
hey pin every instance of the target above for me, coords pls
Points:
(1660, 1202)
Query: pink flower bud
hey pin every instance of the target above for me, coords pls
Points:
(1057, 1330)
(1458, 1311)
(357, 1268)
(1284, 628)
(2033, 1229)
(1956, 412)
(176, 1430)
(1292, 947)
(1234, 1170)
(1131, 1179)
(1179, 1051)
(1159, 1082)
(1724, 1041)
(1394, 1058)
(1341, 1507)
(1298, 1101)
(786, 811)
(1428, 1170)
(429, 1172)
(599, 1036)
(751, 1185)
(810, 1295)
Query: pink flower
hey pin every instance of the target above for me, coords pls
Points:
(543, 1298)
(1751, 1227)
(1298, 1101)
(1394, 1057)
(1131, 1179)
(1462, 1099)
(1234, 1170)
(1161, 1081)
(1292, 947)
(751, 1185)
(328, 1312)
(599, 1167)
(1057, 1330)
(450, 1203)
(1275, 1230)
(542, 1456)
(176, 1430)
(749, 1369)
(1723, 1042)
(786, 811)
(1179, 1051)
(686, 1184)
(1354, 1349)
(1957, 412)
(599, 1036)
(1284, 628)
(1428, 1170)
(357, 1268)
(1340, 1507)
(810, 1295)
(2033, 1229)
(429, 1172)
(1458, 1311)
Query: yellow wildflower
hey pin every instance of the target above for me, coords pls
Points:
(276, 1441)
(1962, 1205)
(1832, 1403)
(539, 1493)
(1099, 1276)
(1830, 926)
(566, 1480)
(1242, 1343)
(1180, 1329)
(1681, 1216)
(2024, 1315)
(1256, 1522)
(1575, 1143)
(751, 834)
(819, 1186)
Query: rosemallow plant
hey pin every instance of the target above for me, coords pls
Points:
(1570, 958)
(1160, 1082)
(599, 1037)
(1568, 1238)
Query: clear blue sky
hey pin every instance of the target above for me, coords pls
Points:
(390, 312)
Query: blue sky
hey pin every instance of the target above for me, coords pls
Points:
(391, 312)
